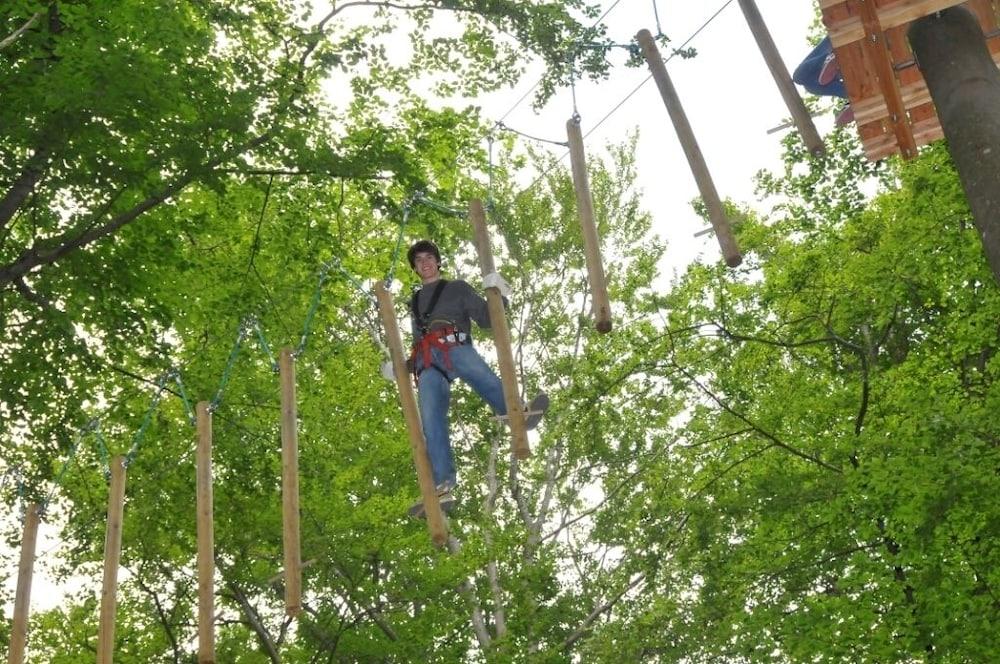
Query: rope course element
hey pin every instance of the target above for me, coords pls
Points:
(80, 435)
(631, 94)
(102, 447)
(501, 126)
(538, 82)
(262, 342)
(399, 240)
(161, 385)
(656, 15)
(214, 405)
(440, 207)
(314, 304)
(188, 410)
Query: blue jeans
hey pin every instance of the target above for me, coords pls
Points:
(434, 390)
(807, 73)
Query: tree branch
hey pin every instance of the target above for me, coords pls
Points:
(467, 592)
(598, 611)
(17, 33)
(489, 507)
(253, 618)
(743, 418)
(23, 185)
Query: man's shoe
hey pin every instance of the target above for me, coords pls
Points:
(445, 499)
(845, 116)
(829, 70)
(533, 412)
(536, 410)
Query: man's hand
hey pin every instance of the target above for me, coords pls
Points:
(494, 280)
(387, 370)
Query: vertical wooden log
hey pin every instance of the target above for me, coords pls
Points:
(112, 558)
(290, 484)
(22, 599)
(206, 537)
(965, 86)
(435, 518)
(591, 242)
(716, 213)
(501, 334)
(800, 115)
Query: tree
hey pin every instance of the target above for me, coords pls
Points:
(825, 493)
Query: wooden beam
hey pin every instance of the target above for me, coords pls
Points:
(716, 213)
(501, 334)
(112, 561)
(890, 16)
(290, 484)
(800, 114)
(418, 446)
(878, 55)
(206, 536)
(22, 598)
(601, 304)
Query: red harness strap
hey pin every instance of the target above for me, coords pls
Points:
(442, 338)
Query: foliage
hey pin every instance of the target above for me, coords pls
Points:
(789, 462)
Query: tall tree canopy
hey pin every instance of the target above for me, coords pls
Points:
(793, 461)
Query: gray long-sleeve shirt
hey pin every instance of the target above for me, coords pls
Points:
(458, 305)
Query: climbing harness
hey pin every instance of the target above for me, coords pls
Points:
(443, 338)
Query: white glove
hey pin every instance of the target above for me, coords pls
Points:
(494, 280)
(387, 370)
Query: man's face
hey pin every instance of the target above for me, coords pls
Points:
(426, 266)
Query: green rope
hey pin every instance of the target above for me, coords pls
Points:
(80, 435)
(359, 286)
(23, 513)
(161, 385)
(323, 273)
(229, 366)
(102, 446)
(184, 398)
(441, 207)
(399, 241)
(262, 342)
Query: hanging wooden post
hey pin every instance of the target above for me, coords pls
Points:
(290, 484)
(432, 508)
(716, 213)
(25, 570)
(206, 537)
(800, 115)
(591, 243)
(112, 558)
(501, 334)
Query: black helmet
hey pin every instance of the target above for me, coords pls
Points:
(425, 246)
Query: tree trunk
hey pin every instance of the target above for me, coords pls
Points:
(965, 86)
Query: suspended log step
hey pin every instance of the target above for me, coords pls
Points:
(892, 107)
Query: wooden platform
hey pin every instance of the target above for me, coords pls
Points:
(892, 107)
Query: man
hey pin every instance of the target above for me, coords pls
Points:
(819, 74)
(441, 313)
